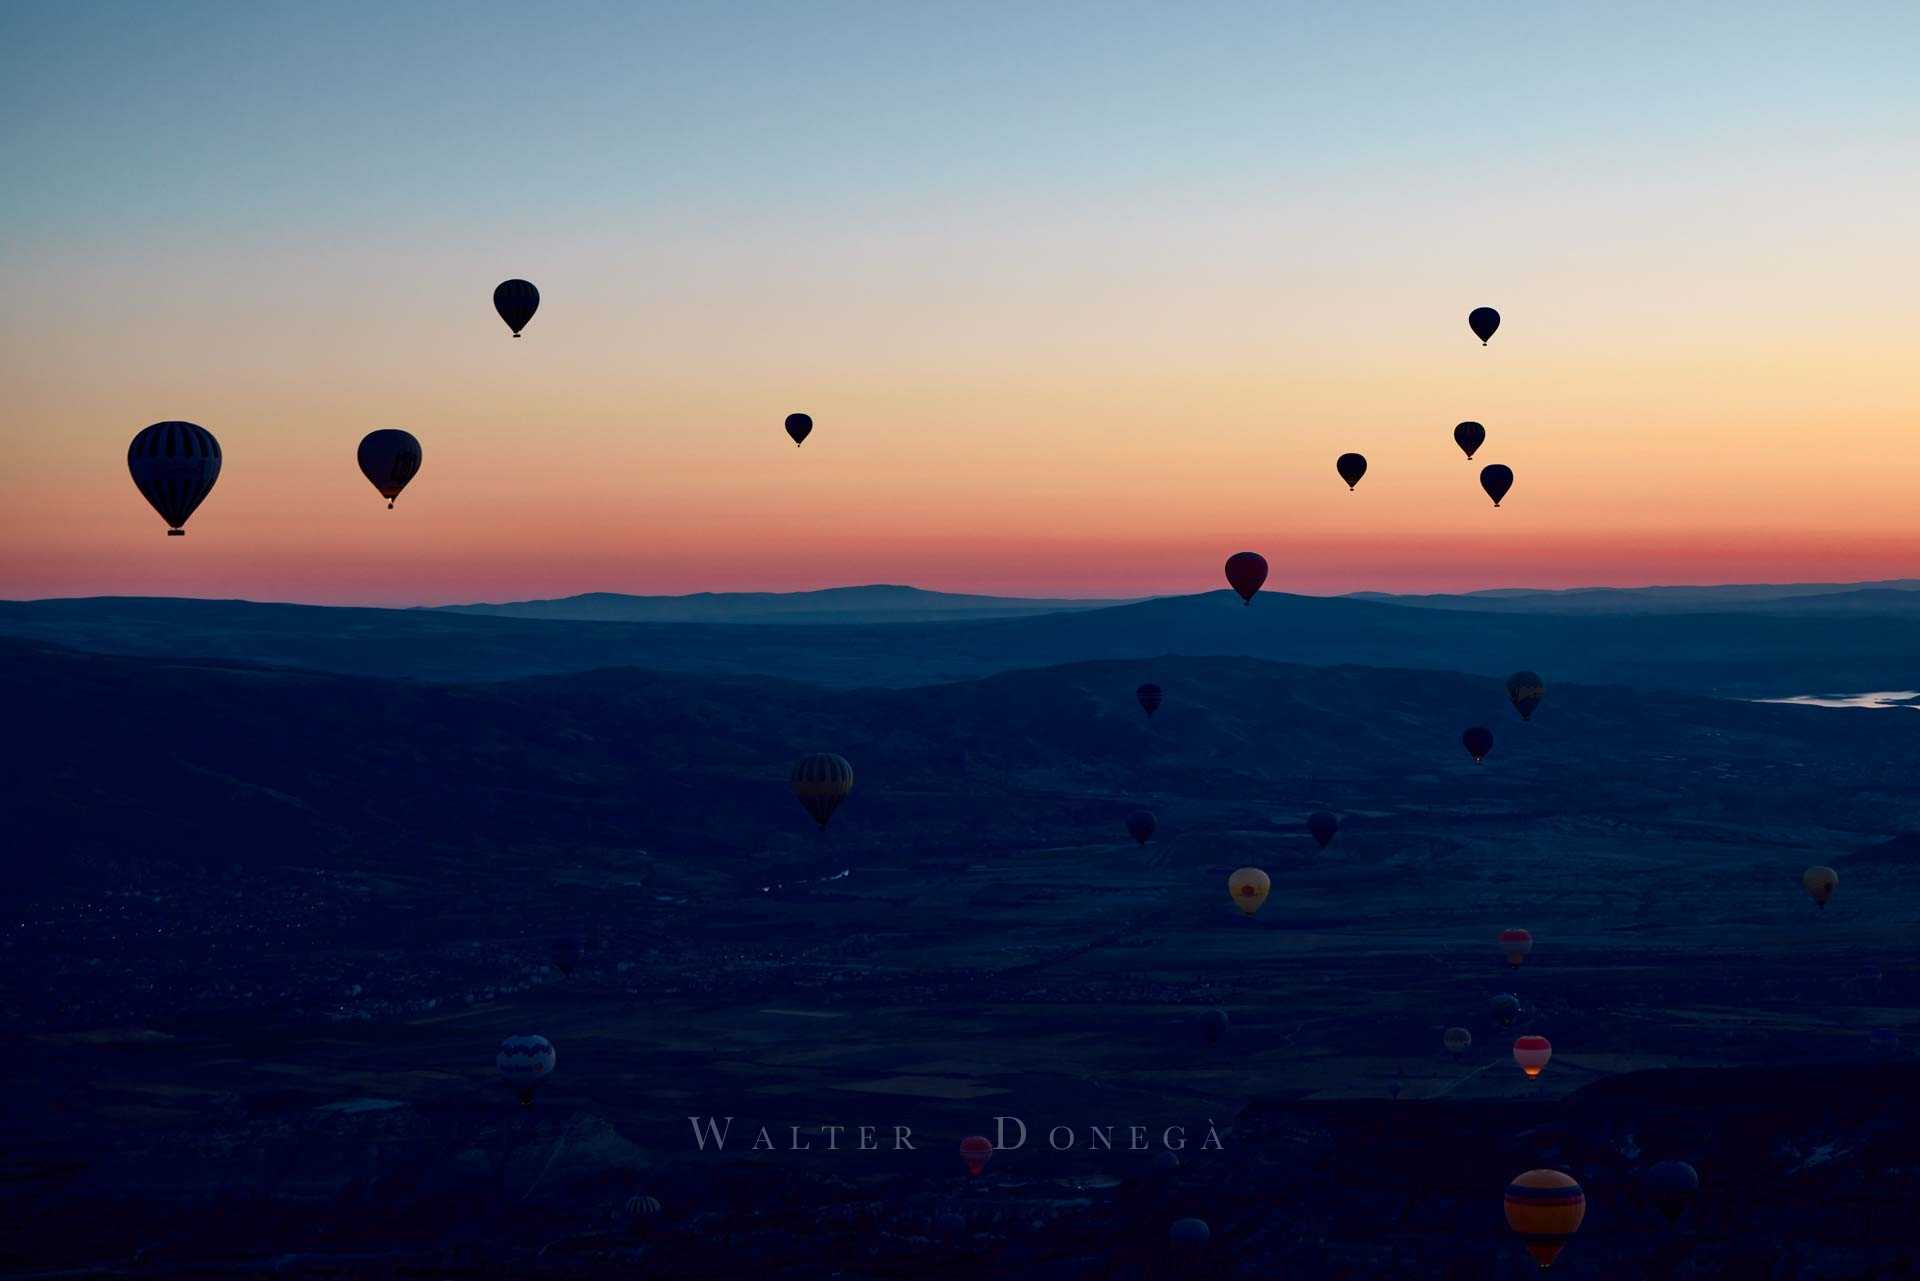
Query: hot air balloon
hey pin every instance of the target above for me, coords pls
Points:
(1140, 826)
(1525, 690)
(1249, 888)
(1469, 436)
(1150, 696)
(1671, 1186)
(525, 1061)
(1245, 572)
(1496, 479)
(1213, 1026)
(1506, 1008)
(976, 1150)
(1478, 741)
(1323, 826)
(174, 466)
(640, 1213)
(1820, 883)
(516, 301)
(568, 952)
(1532, 1053)
(822, 781)
(1483, 321)
(799, 426)
(1351, 468)
(1514, 945)
(1457, 1040)
(1189, 1236)
(1545, 1207)
(389, 458)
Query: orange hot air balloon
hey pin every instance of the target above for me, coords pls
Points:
(976, 1150)
(1820, 883)
(1249, 888)
(1545, 1207)
(1532, 1053)
(1516, 944)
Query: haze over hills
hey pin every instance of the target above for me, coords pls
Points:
(873, 603)
(1889, 594)
(1762, 648)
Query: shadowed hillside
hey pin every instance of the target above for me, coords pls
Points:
(879, 603)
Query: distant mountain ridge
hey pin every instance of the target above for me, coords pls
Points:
(869, 603)
(1892, 594)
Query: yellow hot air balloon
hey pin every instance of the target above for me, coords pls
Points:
(1545, 1207)
(1249, 888)
(1820, 882)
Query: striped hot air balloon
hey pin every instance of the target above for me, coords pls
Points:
(821, 781)
(174, 465)
(1150, 696)
(1515, 944)
(525, 1061)
(1532, 1053)
(1545, 1208)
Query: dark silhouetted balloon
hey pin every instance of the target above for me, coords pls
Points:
(1478, 741)
(1483, 321)
(1545, 1208)
(1189, 1236)
(1213, 1026)
(1351, 468)
(1150, 696)
(799, 426)
(1245, 572)
(568, 952)
(1323, 826)
(174, 466)
(1457, 1040)
(1469, 436)
(389, 458)
(1525, 690)
(516, 301)
(1496, 479)
(1671, 1186)
(641, 1213)
(525, 1061)
(976, 1150)
(822, 781)
(1820, 883)
(1506, 1008)
(1140, 826)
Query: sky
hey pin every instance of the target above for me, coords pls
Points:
(1082, 298)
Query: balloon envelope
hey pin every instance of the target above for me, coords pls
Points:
(1189, 1234)
(1351, 468)
(516, 301)
(1506, 1008)
(389, 458)
(1820, 883)
(1545, 1208)
(174, 465)
(1249, 887)
(976, 1150)
(1496, 479)
(1323, 826)
(1483, 321)
(1532, 1053)
(1141, 826)
(1671, 1186)
(568, 952)
(1469, 436)
(525, 1061)
(1478, 741)
(799, 426)
(821, 781)
(1456, 1039)
(1245, 572)
(1515, 944)
(1524, 691)
(1150, 696)
(1213, 1026)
